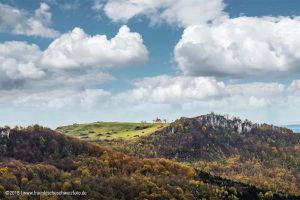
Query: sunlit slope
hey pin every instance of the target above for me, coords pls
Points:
(110, 130)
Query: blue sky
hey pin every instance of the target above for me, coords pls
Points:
(65, 61)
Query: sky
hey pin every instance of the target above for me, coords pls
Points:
(74, 61)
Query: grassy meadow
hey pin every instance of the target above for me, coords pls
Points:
(110, 130)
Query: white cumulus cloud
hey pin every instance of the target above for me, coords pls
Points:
(78, 49)
(240, 47)
(21, 22)
(181, 12)
(75, 59)
(18, 62)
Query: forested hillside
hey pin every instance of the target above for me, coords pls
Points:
(37, 158)
(259, 154)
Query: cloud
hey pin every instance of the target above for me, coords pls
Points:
(254, 95)
(294, 88)
(64, 79)
(20, 68)
(213, 44)
(69, 6)
(176, 96)
(169, 89)
(98, 5)
(63, 98)
(240, 47)
(166, 96)
(181, 12)
(184, 90)
(170, 94)
(256, 89)
(20, 22)
(18, 62)
(77, 49)
(75, 59)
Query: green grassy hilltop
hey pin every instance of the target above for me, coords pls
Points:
(110, 130)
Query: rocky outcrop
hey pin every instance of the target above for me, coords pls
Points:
(4, 132)
(4, 137)
(214, 121)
